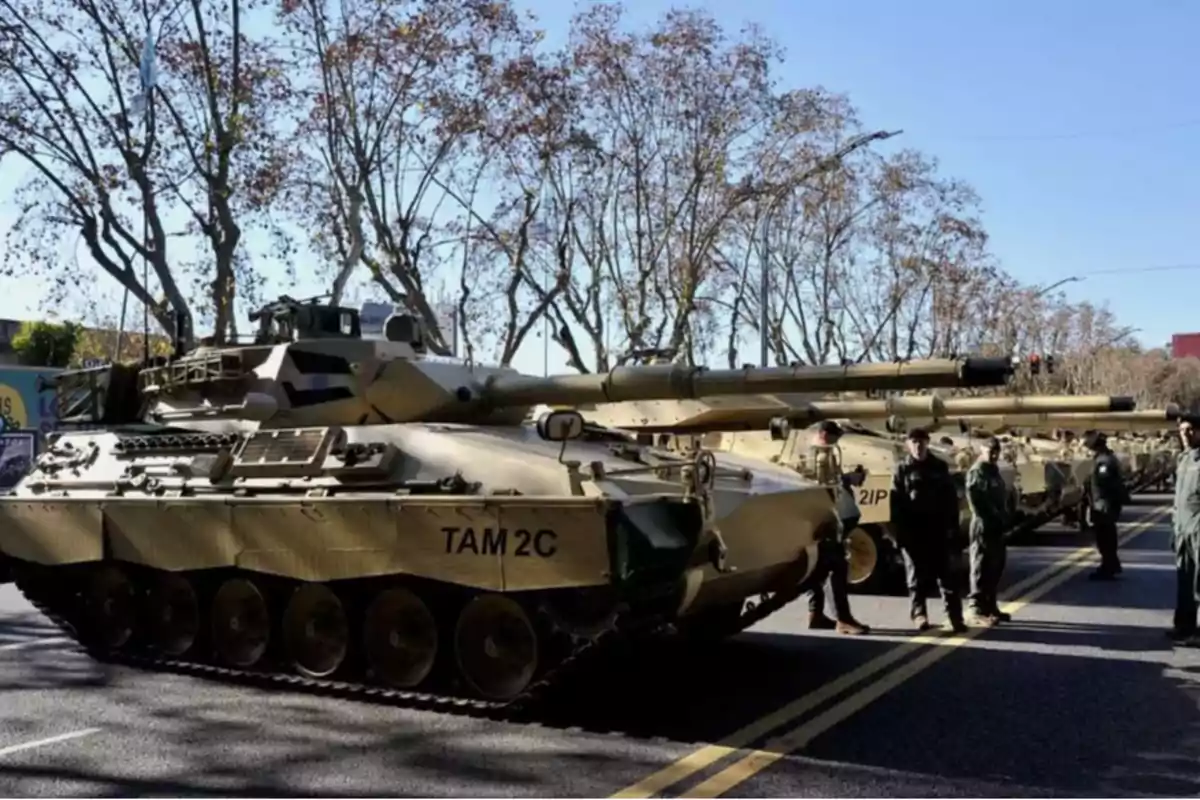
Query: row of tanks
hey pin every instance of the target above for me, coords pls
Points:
(775, 429)
(321, 510)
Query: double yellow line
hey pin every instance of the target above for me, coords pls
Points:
(1021, 593)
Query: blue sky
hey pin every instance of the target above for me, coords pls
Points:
(1076, 120)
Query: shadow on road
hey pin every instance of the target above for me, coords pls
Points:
(38, 662)
(1124, 721)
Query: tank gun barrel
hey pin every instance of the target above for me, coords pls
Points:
(1142, 420)
(681, 382)
(917, 409)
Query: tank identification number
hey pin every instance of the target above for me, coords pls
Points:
(870, 497)
(521, 542)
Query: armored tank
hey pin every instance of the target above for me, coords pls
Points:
(769, 429)
(1040, 473)
(319, 510)
(1145, 458)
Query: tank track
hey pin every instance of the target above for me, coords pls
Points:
(586, 653)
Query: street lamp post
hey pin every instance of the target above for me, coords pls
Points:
(1012, 325)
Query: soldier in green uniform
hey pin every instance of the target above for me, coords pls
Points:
(1107, 496)
(987, 496)
(1186, 540)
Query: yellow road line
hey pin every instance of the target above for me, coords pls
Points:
(706, 756)
(799, 738)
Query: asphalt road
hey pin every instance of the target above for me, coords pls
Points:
(1080, 695)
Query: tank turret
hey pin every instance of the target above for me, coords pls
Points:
(310, 365)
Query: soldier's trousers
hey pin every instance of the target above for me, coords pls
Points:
(1105, 526)
(832, 567)
(988, 554)
(1187, 585)
(927, 565)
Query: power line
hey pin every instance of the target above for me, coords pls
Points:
(1138, 270)
(1093, 133)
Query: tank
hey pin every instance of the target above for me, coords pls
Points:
(318, 510)
(1145, 440)
(772, 430)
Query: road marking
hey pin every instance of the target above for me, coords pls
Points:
(708, 755)
(799, 738)
(62, 737)
(32, 642)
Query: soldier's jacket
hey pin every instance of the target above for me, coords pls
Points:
(827, 467)
(1187, 498)
(1107, 488)
(987, 496)
(924, 501)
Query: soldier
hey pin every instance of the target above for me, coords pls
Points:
(832, 566)
(1186, 540)
(924, 510)
(988, 499)
(1107, 495)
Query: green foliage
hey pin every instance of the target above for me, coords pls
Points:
(46, 344)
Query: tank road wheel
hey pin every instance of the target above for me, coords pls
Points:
(496, 647)
(241, 623)
(316, 632)
(173, 614)
(109, 608)
(400, 638)
(863, 554)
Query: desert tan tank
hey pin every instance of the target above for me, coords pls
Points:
(1143, 440)
(771, 429)
(1041, 475)
(317, 507)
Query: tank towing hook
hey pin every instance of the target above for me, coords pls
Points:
(699, 475)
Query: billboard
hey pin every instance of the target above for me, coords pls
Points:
(22, 406)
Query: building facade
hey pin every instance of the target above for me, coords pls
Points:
(1185, 345)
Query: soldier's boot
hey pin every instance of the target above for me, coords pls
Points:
(954, 615)
(851, 627)
(1178, 636)
(982, 617)
(817, 621)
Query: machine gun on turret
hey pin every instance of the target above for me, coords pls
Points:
(288, 320)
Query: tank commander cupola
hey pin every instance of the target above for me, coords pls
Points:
(290, 320)
(407, 328)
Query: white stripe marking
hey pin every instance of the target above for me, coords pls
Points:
(62, 737)
(32, 642)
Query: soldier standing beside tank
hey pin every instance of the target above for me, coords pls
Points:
(1186, 540)
(924, 511)
(832, 566)
(1107, 495)
(988, 498)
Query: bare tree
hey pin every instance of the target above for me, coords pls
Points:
(399, 136)
(661, 161)
(205, 159)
